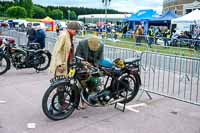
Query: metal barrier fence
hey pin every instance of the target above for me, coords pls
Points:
(172, 76)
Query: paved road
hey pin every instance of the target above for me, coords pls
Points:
(20, 104)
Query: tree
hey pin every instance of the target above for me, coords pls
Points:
(16, 11)
(1, 10)
(73, 15)
(56, 14)
(27, 4)
(38, 12)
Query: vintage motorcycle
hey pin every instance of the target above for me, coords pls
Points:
(109, 83)
(23, 58)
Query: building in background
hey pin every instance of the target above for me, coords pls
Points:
(181, 7)
(94, 18)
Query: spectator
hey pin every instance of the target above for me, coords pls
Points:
(63, 51)
(31, 34)
(40, 37)
(92, 51)
(157, 34)
(57, 29)
(166, 37)
(139, 34)
(125, 29)
(150, 36)
(62, 56)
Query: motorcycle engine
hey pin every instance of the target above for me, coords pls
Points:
(19, 59)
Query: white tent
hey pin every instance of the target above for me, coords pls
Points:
(188, 18)
(185, 22)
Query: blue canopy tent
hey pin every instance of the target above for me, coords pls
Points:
(164, 19)
(142, 17)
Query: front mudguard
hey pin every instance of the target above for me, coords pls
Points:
(7, 59)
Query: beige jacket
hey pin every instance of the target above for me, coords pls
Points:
(60, 53)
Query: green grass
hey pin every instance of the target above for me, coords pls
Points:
(155, 48)
(27, 19)
(129, 43)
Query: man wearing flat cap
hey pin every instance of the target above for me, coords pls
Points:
(63, 51)
(91, 50)
(62, 56)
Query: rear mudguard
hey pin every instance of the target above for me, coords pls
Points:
(137, 77)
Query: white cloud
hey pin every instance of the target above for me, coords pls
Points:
(120, 5)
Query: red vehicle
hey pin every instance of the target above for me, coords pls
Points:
(3, 24)
(11, 40)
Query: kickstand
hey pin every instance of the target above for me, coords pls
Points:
(124, 104)
(146, 92)
(37, 71)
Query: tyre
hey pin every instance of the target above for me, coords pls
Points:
(59, 101)
(131, 84)
(44, 61)
(4, 64)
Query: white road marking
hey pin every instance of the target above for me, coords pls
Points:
(2, 102)
(137, 105)
(131, 107)
(31, 125)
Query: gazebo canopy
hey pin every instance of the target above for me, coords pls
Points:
(169, 15)
(143, 15)
(47, 19)
(188, 18)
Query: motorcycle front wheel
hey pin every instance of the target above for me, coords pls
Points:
(44, 60)
(4, 64)
(59, 101)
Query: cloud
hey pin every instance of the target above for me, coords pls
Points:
(120, 5)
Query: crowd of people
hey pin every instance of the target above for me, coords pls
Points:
(164, 34)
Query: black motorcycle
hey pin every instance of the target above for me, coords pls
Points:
(23, 58)
(107, 84)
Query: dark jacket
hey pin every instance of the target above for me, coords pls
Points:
(40, 38)
(92, 57)
(31, 33)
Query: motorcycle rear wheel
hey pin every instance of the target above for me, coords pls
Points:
(131, 90)
(4, 64)
(43, 58)
(62, 104)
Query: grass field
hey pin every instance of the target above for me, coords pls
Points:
(155, 48)
(130, 44)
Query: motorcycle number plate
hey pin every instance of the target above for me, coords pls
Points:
(71, 73)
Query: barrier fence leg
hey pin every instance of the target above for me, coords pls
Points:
(146, 92)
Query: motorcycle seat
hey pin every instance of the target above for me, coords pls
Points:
(132, 61)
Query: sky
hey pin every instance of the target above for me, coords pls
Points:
(120, 5)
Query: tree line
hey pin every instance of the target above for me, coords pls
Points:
(26, 8)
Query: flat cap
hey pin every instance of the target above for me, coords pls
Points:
(74, 26)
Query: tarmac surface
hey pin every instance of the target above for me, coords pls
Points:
(21, 94)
